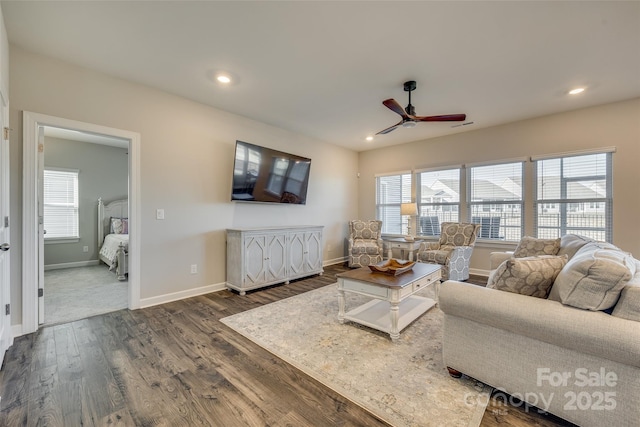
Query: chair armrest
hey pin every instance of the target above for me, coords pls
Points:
(380, 245)
(497, 258)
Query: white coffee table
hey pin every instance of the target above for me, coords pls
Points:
(394, 305)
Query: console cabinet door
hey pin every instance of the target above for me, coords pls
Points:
(276, 261)
(297, 249)
(255, 257)
(313, 251)
(265, 258)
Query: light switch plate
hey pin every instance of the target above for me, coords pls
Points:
(159, 213)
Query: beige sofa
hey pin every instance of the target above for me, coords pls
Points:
(581, 364)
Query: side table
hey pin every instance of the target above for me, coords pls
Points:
(402, 244)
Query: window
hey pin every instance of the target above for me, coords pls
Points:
(438, 196)
(61, 204)
(579, 189)
(495, 200)
(391, 192)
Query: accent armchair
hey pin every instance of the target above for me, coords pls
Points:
(453, 250)
(365, 243)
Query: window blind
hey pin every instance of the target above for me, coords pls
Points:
(60, 204)
(495, 200)
(574, 196)
(438, 195)
(391, 192)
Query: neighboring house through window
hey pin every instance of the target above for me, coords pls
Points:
(438, 197)
(60, 203)
(495, 200)
(574, 196)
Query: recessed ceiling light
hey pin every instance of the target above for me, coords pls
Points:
(223, 78)
(576, 91)
(369, 138)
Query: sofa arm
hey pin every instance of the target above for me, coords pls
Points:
(590, 332)
(497, 258)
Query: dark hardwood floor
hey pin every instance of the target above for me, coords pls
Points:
(177, 365)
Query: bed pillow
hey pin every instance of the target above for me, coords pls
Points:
(119, 226)
(530, 246)
(532, 276)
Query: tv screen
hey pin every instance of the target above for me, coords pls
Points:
(261, 174)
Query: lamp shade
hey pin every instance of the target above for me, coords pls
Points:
(408, 209)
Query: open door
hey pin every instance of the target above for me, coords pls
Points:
(5, 290)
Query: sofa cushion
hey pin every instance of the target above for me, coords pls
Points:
(365, 247)
(532, 276)
(572, 243)
(593, 278)
(530, 246)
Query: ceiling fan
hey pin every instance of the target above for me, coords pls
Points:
(409, 118)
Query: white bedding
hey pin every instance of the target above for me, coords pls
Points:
(110, 248)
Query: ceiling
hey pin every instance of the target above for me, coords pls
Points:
(322, 69)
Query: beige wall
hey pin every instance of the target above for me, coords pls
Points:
(616, 124)
(186, 167)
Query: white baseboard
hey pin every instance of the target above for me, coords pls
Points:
(16, 330)
(71, 265)
(175, 296)
(333, 261)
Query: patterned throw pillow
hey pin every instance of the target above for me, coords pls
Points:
(532, 276)
(530, 246)
(119, 226)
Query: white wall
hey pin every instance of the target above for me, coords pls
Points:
(186, 167)
(616, 124)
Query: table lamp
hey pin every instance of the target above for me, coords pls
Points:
(409, 209)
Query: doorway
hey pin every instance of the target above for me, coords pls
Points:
(82, 171)
(33, 230)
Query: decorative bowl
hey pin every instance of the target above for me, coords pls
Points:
(392, 267)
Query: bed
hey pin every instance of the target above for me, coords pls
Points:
(113, 236)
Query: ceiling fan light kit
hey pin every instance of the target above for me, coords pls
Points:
(408, 114)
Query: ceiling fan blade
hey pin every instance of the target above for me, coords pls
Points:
(391, 128)
(393, 105)
(444, 118)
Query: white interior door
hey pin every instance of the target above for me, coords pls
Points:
(5, 290)
(41, 230)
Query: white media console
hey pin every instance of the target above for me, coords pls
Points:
(259, 257)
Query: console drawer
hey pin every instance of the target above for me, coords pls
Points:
(363, 288)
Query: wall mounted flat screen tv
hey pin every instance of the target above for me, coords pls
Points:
(261, 174)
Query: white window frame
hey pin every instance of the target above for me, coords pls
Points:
(566, 206)
(394, 228)
(491, 231)
(73, 234)
(455, 206)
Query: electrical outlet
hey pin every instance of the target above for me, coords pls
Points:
(85, 249)
(328, 248)
(194, 268)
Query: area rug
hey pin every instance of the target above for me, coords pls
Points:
(404, 383)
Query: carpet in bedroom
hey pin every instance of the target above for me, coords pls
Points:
(77, 293)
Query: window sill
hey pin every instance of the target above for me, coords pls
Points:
(57, 240)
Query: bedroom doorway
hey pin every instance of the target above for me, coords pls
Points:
(34, 126)
(81, 171)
